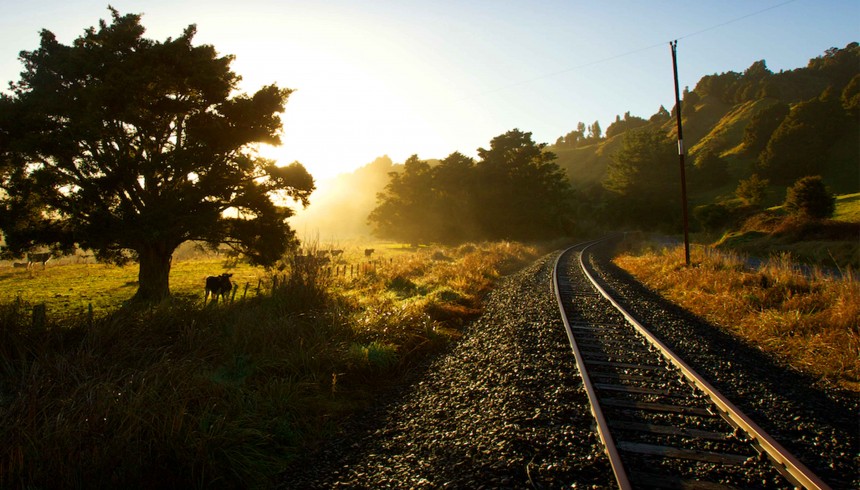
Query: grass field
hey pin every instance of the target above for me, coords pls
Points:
(71, 288)
(68, 286)
(178, 395)
(848, 208)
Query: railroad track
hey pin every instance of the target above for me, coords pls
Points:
(662, 425)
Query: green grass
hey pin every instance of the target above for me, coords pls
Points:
(178, 395)
(848, 208)
(726, 135)
(70, 288)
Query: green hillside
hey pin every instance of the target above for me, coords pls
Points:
(822, 115)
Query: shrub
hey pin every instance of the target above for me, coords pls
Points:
(810, 197)
(752, 191)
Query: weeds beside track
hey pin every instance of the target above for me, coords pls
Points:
(810, 320)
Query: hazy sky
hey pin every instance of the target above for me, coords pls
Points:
(398, 77)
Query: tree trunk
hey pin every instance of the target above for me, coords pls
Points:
(154, 274)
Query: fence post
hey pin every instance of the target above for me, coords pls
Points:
(40, 315)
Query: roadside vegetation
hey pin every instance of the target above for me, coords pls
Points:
(223, 395)
(807, 318)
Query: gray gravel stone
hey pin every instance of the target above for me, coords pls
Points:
(817, 422)
(505, 407)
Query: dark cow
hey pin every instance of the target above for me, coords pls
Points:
(40, 258)
(336, 253)
(368, 252)
(218, 286)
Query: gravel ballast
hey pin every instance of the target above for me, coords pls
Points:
(505, 407)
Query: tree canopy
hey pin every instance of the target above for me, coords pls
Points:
(129, 147)
(643, 177)
(515, 191)
(810, 197)
(799, 146)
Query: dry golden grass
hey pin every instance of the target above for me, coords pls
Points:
(808, 319)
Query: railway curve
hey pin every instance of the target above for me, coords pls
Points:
(506, 408)
(662, 424)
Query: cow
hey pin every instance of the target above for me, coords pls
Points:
(218, 286)
(41, 258)
(368, 252)
(336, 253)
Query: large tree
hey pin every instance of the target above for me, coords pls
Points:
(405, 208)
(454, 203)
(129, 147)
(643, 178)
(521, 193)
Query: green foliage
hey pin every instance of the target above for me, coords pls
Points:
(851, 96)
(131, 146)
(623, 125)
(375, 355)
(406, 205)
(752, 191)
(709, 170)
(721, 216)
(522, 193)
(838, 66)
(689, 103)
(800, 145)
(644, 179)
(643, 166)
(515, 191)
(810, 197)
(761, 127)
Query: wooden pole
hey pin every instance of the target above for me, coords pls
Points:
(674, 46)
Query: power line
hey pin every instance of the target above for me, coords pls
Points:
(737, 19)
(621, 55)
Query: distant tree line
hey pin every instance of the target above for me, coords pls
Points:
(513, 191)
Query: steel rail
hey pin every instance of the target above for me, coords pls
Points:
(602, 425)
(784, 462)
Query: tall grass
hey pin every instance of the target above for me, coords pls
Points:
(806, 317)
(182, 395)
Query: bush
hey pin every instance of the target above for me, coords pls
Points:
(752, 191)
(810, 197)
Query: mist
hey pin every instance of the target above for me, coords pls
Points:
(340, 206)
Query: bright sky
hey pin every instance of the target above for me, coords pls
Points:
(398, 77)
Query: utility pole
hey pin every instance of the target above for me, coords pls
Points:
(681, 151)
